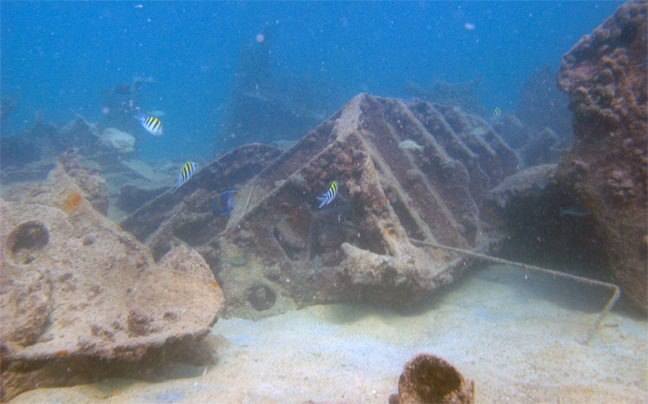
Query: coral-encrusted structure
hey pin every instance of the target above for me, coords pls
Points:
(186, 216)
(429, 379)
(82, 299)
(605, 75)
(358, 248)
(279, 249)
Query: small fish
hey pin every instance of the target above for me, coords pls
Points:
(225, 202)
(187, 171)
(164, 167)
(410, 145)
(495, 117)
(574, 211)
(317, 263)
(150, 123)
(330, 195)
(238, 261)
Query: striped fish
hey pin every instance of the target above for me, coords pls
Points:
(330, 195)
(150, 123)
(495, 117)
(187, 171)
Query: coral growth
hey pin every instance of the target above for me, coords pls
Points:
(429, 379)
(72, 202)
(605, 75)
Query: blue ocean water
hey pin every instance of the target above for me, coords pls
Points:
(59, 57)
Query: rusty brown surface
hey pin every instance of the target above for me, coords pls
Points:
(605, 76)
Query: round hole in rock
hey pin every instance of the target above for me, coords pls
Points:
(261, 297)
(27, 242)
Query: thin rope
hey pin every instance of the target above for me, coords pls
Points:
(615, 295)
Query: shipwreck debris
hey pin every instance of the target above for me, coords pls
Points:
(357, 247)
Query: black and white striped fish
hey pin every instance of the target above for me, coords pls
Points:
(330, 195)
(150, 123)
(187, 171)
(495, 117)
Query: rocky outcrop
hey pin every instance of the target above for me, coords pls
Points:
(81, 299)
(605, 75)
(543, 222)
(538, 149)
(46, 140)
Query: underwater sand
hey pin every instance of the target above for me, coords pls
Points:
(517, 341)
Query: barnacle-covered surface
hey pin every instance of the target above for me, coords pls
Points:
(605, 75)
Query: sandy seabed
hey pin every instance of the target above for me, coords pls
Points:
(518, 337)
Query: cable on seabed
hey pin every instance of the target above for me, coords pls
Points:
(613, 299)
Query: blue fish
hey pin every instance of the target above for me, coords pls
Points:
(330, 195)
(150, 123)
(187, 171)
(495, 117)
(225, 202)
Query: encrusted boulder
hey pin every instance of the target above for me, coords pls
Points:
(82, 299)
(429, 379)
(605, 75)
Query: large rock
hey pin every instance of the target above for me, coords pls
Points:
(79, 293)
(605, 75)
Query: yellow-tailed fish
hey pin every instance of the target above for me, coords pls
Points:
(150, 123)
(330, 195)
(495, 117)
(187, 171)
